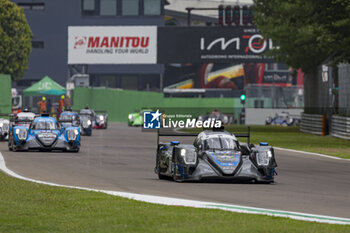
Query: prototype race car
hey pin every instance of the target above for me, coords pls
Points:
(44, 134)
(23, 119)
(101, 120)
(69, 118)
(283, 119)
(4, 128)
(136, 118)
(215, 154)
(217, 115)
(86, 118)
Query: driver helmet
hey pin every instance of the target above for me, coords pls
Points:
(87, 107)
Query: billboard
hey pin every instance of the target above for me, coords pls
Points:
(112, 45)
(212, 45)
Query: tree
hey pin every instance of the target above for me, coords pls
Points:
(15, 37)
(308, 33)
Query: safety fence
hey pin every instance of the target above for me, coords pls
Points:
(340, 127)
(312, 123)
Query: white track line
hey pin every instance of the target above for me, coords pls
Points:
(191, 203)
(311, 153)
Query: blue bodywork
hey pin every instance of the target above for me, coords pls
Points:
(49, 136)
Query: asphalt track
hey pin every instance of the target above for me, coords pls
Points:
(122, 159)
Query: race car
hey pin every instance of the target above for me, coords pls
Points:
(283, 119)
(44, 134)
(86, 118)
(4, 128)
(217, 115)
(136, 118)
(101, 120)
(215, 155)
(69, 118)
(23, 119)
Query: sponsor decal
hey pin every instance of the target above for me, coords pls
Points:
(112, 45)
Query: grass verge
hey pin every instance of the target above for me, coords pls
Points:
(292, 138)
(31, 207)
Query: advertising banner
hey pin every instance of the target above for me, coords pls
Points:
(212, 45)
(112, 45)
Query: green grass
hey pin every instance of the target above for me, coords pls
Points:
(292, 138)
(30, 207)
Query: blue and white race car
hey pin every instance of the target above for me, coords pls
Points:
(283, 119)
(45, 134)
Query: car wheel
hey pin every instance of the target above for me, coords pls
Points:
(175, 178)
(76, 150)
(9, 145)
(160, 176)
(14, 147)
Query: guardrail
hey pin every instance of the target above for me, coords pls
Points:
(313, 123)
(340, 127)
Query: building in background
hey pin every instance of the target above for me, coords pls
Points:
(49, 21)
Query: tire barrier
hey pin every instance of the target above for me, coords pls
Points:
(313, 123)
(340, 127)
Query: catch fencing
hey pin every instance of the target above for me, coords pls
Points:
(313, 123)
(340, 127)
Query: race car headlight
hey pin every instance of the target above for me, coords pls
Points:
(290, 120)
(21, 134)
(101, 118)
(263, 158)
(131, 117)
(1, 124)
(88, 122)
(72, 134)
(189, 157)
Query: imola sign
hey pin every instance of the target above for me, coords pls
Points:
(212, 44)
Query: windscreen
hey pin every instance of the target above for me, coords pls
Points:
(220, 142)
(68, 117)
(86, 112)
(45, 125)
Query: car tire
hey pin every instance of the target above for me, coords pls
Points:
(14, 147)
(160, 176)
(76, 150)
(175, 172)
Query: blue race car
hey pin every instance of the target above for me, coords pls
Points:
(45, 134)
(69, 118)
(283, 119)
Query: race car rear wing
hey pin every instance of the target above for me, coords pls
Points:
(174, 134)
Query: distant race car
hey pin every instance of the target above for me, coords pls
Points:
(44, 134)
(136, 118)
(283, 119)
(215, 154)
(98, 121)
(23, 119)
(86, 118)
(69, 118)
(217, 115)
(4, 128)
(101, 120)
